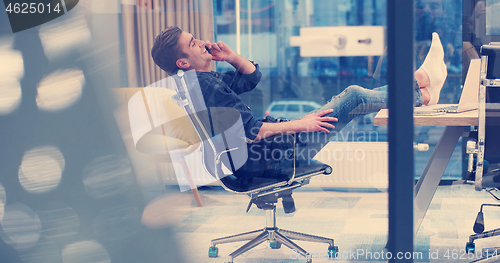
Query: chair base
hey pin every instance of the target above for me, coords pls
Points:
(470, 246)
(490, 254)
(277, 237)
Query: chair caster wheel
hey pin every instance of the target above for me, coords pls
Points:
(470, 247)
(275, 245)
(333, 251)
(213, 252)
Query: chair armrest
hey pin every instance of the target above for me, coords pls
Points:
(218, 163)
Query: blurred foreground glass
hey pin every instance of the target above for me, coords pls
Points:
(41, 169)
(60, 89)
(11, 72)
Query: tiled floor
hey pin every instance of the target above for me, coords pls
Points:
(356, 219)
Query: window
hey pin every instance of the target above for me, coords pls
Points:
(292, 107)
(279, 107)
(267, 25)
(307, 108)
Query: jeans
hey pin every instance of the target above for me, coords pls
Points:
(354, 101)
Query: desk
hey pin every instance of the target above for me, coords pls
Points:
(431, 175)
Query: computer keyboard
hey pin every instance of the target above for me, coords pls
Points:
(447, 109)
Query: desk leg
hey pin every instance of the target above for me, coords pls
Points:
(431, 176)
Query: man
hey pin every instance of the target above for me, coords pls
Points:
(175, 49)
(433, 8)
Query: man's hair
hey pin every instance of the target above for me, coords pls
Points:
(166, 51)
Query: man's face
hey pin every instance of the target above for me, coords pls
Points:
(434, 8)
(198, 57)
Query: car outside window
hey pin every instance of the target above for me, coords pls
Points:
(307, 108)
(293, 107)
(278, 108)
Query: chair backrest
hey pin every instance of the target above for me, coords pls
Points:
(492, 64)
(157, 124)
(220, 129)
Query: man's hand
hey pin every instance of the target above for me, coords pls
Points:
(317, 122)
(220, 51)
(309, 123)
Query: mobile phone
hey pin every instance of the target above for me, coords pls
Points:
(208, 50)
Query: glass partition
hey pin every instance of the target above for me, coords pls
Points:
(288, 77)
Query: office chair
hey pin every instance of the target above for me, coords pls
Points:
(224, 145)
(486, 173)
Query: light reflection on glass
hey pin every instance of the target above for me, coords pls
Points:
(12, 65)
(3, 201)
(6, 42)
(117, 223)
(62, 37)
(45, 251)
(41, 169)
(166, 210)
(58, 220)
(21, 226)
(107, 176)
(10, 96)
(11, 71)
(85, 252)
(60, 89)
